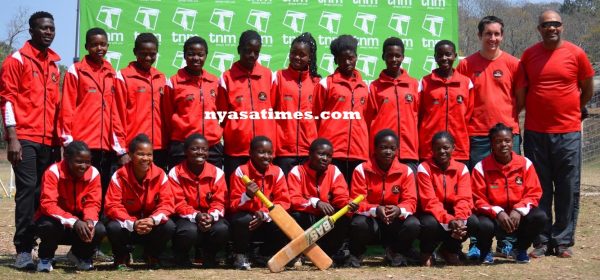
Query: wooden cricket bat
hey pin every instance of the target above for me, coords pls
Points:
(309, 238)
(291, 229)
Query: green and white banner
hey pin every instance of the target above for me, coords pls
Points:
(419, 23)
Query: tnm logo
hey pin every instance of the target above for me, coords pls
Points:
(222, 19)
(331, 2)
(318, 230)
(433, 25)
(109, 16)
(406, 63)
(366, 64)
(114, 58)
(330, 21)
(327, 63)
(264, 59)
(221, 61)
(185, 18)
(399, 23)
(259, 20)
(294, 20)
(429, 64)
(365, 22)
(434, 3)
(147, 17)
(178, 60)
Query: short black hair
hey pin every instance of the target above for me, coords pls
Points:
(317, 143)
(248, 36)
(385, 133)
(74, 148)
(442, 135)
(93, 32)
(308, 39)
(139, 139)
(392, 41)
(257, 140)
(497, 129)
(489, 20)
(195, 40)
(343, 43)
(37, 15)
(188, 141)
(444, 42)
(145, 38)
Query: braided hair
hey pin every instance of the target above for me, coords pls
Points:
(308, 39)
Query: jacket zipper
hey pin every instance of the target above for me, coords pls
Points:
(202, 101)
(298, 121)
(383, 190)
(350, 130)
(506, 188)
(398, 118)
(251, 105)
(444, 184)
(447, 107)
(152, 108)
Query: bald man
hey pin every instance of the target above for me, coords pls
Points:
(554, 87)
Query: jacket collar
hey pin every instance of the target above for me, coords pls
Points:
(453, 165)
(353, 82)
(30, 51)
(86, 66)
(371, 166)
(313, 173)
(187, 174)
(454, 79)
(295, 74)
(271, 170)
(238, 71)
(384, 78)
(135, 72)
(183, 76)
(153, 174)
(492, 164)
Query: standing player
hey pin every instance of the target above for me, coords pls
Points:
(29, 98)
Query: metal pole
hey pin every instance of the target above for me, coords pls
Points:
(77, 18)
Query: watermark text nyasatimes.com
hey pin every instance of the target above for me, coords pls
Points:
(270, 114)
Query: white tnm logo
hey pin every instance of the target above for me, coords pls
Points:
(327, 63)
(366, 64)
(178, 60)
(259, 20)
(433, 25)
(287, 60)
(294, 20)
(406, 62)
(114, 58)
(399, 23)
(330, 21)
(185, 18)
(264, 59)
(147, 17)
(109, 16)
(365, 22)
(429, 64)
(221, 61)
(222, 19)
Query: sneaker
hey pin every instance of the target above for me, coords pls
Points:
(474, 253)
(564, 251)
(100, 257)
(45, 265)
(488, 259)
(85, 265)
(394, 259)
(539, 251)
(505, 251)
(241, 262)
(122, 263)
(25, 261)
(353, 261)
(521, 256)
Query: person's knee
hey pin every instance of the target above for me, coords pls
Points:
(113, 228)
(537, 218)
(99, 231)
(241, 220)
(221, 231)
(186, 230)
(47, 227)
(168, 228)
(428, 223)
(486, 227)
(412, 225)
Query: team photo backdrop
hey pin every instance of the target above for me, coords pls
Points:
(419, 23)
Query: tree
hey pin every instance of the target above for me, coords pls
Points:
(15, 28)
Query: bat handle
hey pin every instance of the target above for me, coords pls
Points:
(345, 209)
(258, 193)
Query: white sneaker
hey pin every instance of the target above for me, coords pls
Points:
(24, 261)
(241, 262)
(45, 265)
(85, 265)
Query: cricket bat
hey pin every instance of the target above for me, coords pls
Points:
(309, 238)
(291, 229)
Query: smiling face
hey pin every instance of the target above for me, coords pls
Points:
(445, 56)
(442, 149)
(550, 27)
(261, 155)
(502, 143)
(145, 55)
(346, 62)
(97, 46)
(195, 56)
(249, 54)
(141, 157)
(393, 56)
(42, 34)
(299, 56)
(79, 163)
(320, 158)
(197, 153)
(385, 152)
(491, 37)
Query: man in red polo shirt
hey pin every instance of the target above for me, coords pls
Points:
(29, 99)
(554, 87)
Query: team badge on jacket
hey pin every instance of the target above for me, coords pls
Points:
(396, 189)
(498, 74)
(459, 99)
(262, 96)
(408, 97)
(519, 180)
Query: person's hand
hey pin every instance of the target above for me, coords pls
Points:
(124, 159)
(259, 219)
(143, 226)
(14, 151)
(380, 213)
(458, 230)
(204, 221)
(81, 228)
(353, 207)
(584, 113)
(505, 222)
(251, 189)
(90, 225)
(392, 212)
(325, 208)
(515, 217)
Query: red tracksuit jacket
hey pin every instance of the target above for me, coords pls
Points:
(306, 189)
(498, 187)
(127, 201)
(293, 92)
(88, 111)
(445, 105)
(445, 194)
(29, 94)
(187, 104)
(246, 92)
(272, 184)
(205, 193)
(396, 187)
(339, 94)
(394, 104)
(69, 199)
(139, 103)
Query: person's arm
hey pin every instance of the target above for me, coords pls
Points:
(281, 194)
(219, 197)
(93, 198)
(49, 198)
(520, 85)
(10, 81)
(359, 187)
(408, 195)
(113, 204)
(295, 186)
(429, 201)
(532, 192)
(587, 91)
(479, 186)
(339, 188)
(463, 203)
(319, 100)
(182, 207)
(165, 205)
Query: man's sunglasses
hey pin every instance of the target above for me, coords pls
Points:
(548, 24)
